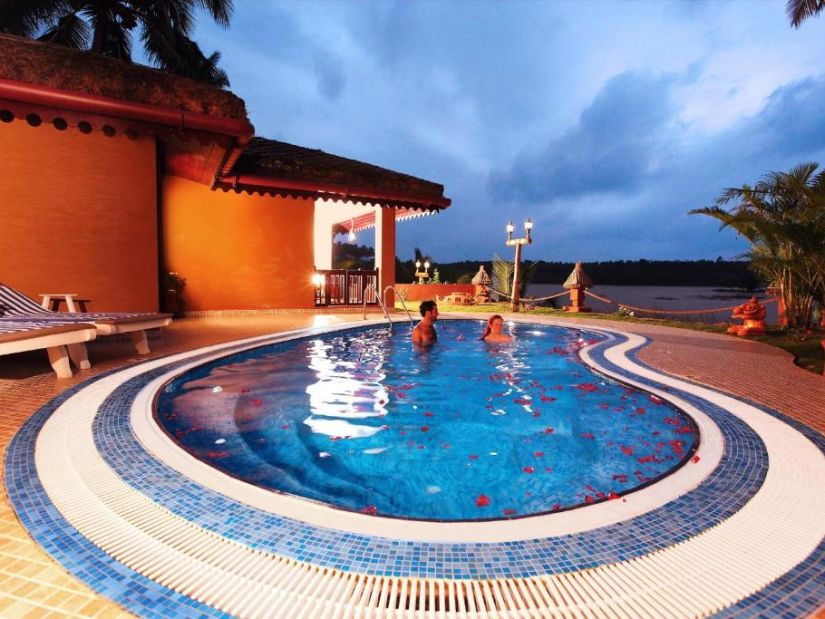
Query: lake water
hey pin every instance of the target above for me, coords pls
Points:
(663, 298)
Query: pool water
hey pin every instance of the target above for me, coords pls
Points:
(466, 430)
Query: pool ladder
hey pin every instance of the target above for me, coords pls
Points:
(383, 305)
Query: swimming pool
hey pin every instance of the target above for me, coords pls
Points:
(361, 420)
(118, 502)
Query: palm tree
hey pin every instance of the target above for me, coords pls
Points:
(800, 10)
(783, 216)
(106, 26)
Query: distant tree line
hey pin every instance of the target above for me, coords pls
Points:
(721, 273)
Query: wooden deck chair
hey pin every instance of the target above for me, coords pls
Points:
(61, 341)
(15, 305)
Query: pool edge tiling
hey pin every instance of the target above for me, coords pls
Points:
(515, 567)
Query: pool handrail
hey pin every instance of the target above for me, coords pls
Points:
(403, 304)
(380, 303)
(384, 306)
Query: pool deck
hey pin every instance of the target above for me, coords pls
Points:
(33, 585)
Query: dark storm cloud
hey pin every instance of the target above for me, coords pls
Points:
(610, 149)
(622, 181)
(793, 121)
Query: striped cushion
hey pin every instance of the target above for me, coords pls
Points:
(56, 317)
(15, 303)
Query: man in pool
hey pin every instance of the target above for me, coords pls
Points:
(424, 333)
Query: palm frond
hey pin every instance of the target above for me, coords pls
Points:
(221, 10)
(800, 10)
(70, 30)
(29, 18)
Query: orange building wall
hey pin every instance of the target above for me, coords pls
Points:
(78, 213)
(238, 251)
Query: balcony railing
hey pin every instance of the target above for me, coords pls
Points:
(341, 287)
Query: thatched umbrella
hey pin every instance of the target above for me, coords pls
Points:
(577, 282)
(482, 283)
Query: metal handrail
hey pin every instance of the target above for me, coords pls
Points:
(403, 303)
(380, 303)
(383, 305)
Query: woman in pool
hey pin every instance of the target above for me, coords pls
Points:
(493, 331)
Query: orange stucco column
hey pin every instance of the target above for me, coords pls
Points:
(236, 250)
(385, 251)
(78, 214)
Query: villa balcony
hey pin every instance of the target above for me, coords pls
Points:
(340, 287)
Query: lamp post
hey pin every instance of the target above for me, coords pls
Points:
(422, 275)
(525, 240)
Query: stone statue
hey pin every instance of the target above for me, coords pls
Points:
(752, 314)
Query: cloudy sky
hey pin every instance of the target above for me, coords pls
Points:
(605, 122)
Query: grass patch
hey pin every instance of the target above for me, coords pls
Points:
(806, 349)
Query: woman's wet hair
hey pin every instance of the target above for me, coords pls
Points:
(489, 329)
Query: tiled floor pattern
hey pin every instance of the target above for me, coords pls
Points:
(182, 337)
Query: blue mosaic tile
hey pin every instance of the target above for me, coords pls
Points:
(66, 545)
(738, 477)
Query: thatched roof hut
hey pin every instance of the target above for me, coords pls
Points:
(578, 278)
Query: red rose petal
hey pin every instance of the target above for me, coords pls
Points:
(473, 456)
(555, 507)
(428, 414)
(611, 496)
(509, 512)
(587, 435)
(482, 500)
(370, 509)
(695, 459)
(538, 454)
(257, 402)
(425, 428)
(588, 499)
(627, 450)
(549, 430)
(528, 469)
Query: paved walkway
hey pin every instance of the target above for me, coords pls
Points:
(32, 585)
